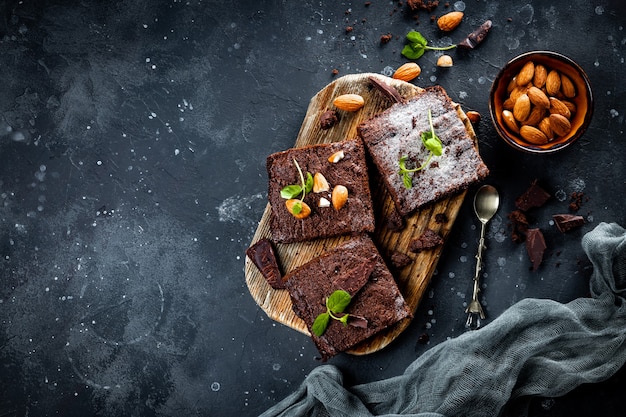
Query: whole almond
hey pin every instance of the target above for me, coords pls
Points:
(512, 84)
(538, 97)
(510, 121)
(473, 116)
(526, 74)
(544, 126)
(339, 196)
(558, 107)
(304, 212)
(541, 74)
(320, 184)
(349, 102)
(521, 109)
(518, 91)
(536, 114)
(449, 21)
(560, 125)
(508, 104)
(533, 135)
(570, 105)
(407, 72)
(567, 86)
(553, 83)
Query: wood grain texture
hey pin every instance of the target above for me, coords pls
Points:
(413, 279)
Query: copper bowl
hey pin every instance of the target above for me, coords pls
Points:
(581, 104)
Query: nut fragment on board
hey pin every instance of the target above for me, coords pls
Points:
(473, 116)
(445, 61)
(450, 21)
(349, 102)
(407, 72)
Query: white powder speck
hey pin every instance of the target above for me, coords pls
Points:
(614, 113)
(599, 10)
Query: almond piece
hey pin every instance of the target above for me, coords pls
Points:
(544, 126)
(567, 87)
(449, 21)
(339, 196)
(538, 97)
(560, 125)
(473, 116)
(445, 61)
(510, 121)
(336, 157)
(349, 102)
(558, 107)
(571, 106)
(541, 74)
(407, 72)
(533, 135)
(319, 183)
(508, 104)
(553, 83)
(302, 213)
(536, 114)
(521, 109)
(526, 74)
(323, 202)
(511, 85)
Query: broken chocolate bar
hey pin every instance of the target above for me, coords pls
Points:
(534, 197)
(263, 256)
(535, 246)
(567, 222)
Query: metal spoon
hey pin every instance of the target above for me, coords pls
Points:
(486, 204)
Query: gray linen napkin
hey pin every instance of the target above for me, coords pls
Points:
(536, 347)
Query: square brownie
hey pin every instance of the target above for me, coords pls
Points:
(350, 170)
(357, 267)
(396, 132)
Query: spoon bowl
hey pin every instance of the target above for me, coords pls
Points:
(486, 202)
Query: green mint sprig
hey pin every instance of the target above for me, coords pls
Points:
(298, 190)
(434, 146)
(417, 45)
(336, 303)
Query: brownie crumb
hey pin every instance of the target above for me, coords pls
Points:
(328, 119)
(441, 218)
(428, 240)
(399, 260)
(386, 38)
(576, 201)
(423, 338)
(395, 222)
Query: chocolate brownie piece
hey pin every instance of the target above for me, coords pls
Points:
(355, 266)
(356, 216)
(396, 132)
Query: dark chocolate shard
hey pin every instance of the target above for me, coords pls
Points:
(535, 246)
(567, 222)
(388, 91)
(519, 225)
(263, 256)
(428, 240)
(477, 36)
(328, 119)
(534, 197)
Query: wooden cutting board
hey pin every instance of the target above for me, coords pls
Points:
(413, 279)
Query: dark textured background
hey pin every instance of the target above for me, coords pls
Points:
(133, 138)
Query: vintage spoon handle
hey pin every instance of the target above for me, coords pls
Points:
(474, 309)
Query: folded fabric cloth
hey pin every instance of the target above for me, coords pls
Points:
(536, 347)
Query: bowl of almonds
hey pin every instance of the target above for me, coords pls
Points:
(541, 102)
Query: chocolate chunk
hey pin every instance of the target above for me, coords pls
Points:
(264, 258)
(388, 91)
(399, 260)
(519, 225)
(428, 240)
(576, 201)
(567, 222)
(328, 119)
(535, 196)
(476, 37)
(535, 246)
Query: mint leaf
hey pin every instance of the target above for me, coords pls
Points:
(291, 191)
(309, 183)
(338, 301)
(416, 38)
(417, 45)
(320, 324)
